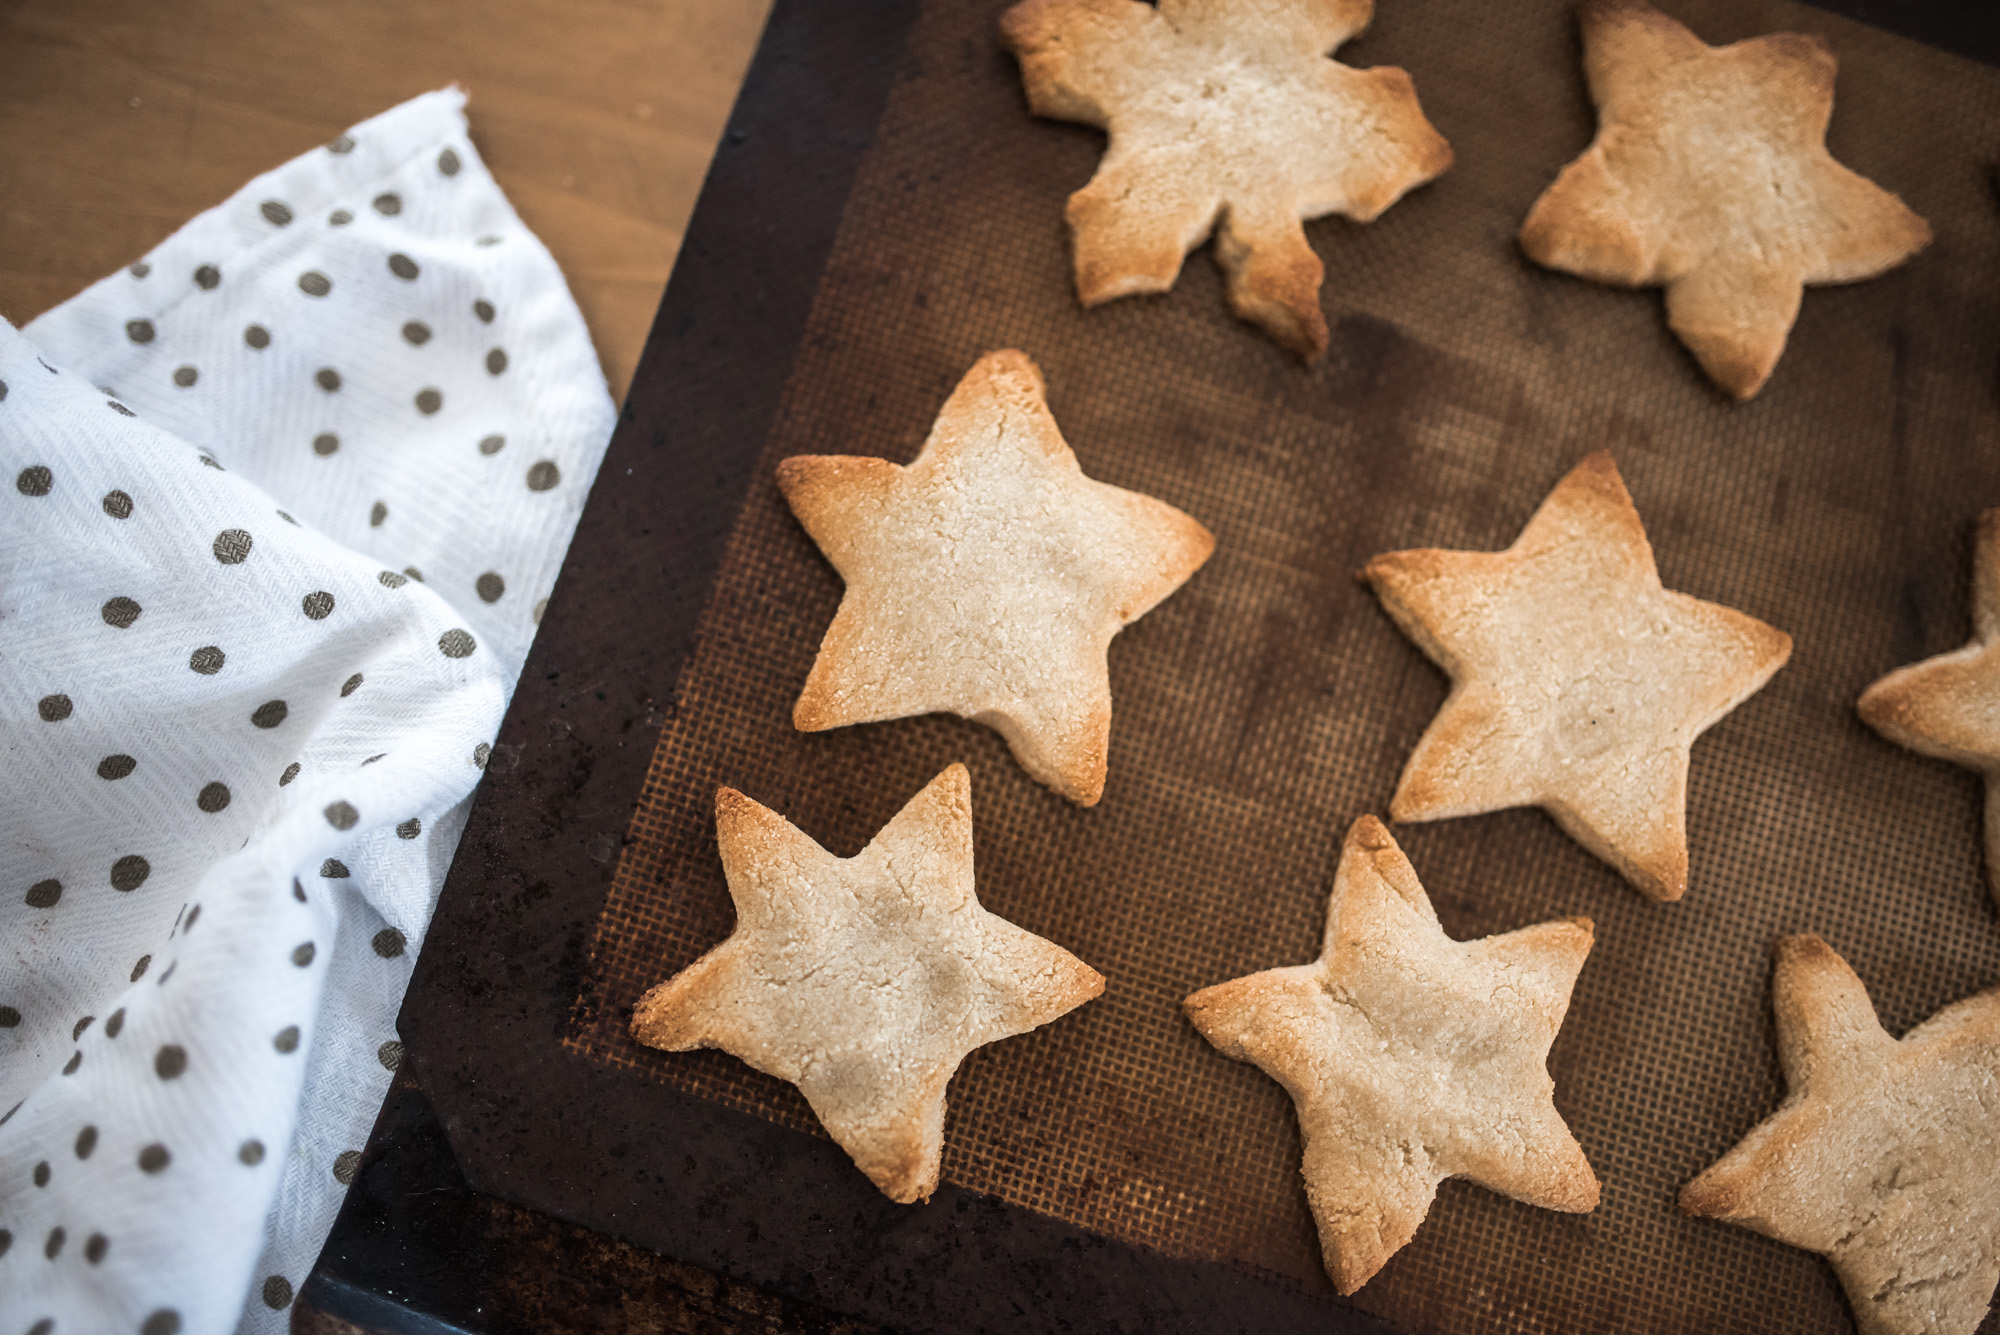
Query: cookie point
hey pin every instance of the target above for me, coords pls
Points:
(1370, 833)
(1802, 948)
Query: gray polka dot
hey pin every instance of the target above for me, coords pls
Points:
(448, 163)
(113, 404)
(410, 828)
(116, 1024)
(489, 587)
(185, 376)
(291, 772)
(287, 518)
(162, 1321)
(139, 969)
(376, 514)
(34, 480)
(116, 767)
(488, 241)
(141, 269)
(298, 891)
(170, 1061)
(496, 361)
(541, 606)
(250, 1153)
(325, 443)
(380, 755)
(416, 333)
(388, 205)
(9, 1017)
(257, 336)
(344, 144)
(140, 331)
(314, 283)
(231, 546)
(302, 954)
(44, 894)
(287, 1039)
(339, 218)
(492, 444)
(213, 797)
(208, 461)
(207, 277)
(75, 1060)
(42, 1173)
(390, 1054)
(333, 869)
(117, 504)
(481, 754)
(154, 1158)
(317, 605)
(53, 1248)
(327, 379)
(429, 401)
(119, 612)
(275, 213)
(207, 660)
(277, 1292)
(93, 1251)
(188, 926)
(389, 943)
(129, 873)
(270, 714)
(346, 1166)
(414, 573)
(543, 474)
(342, 816)
(456, 644)
(403, 267)
(46, 1326)
(389, 579)
(53, 708)
(350, 686)
(86, 1142)
(484, 310)
(76, 1030)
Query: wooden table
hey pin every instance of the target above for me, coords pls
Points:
(122, 119)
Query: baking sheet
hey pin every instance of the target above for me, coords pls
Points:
(1268, 703)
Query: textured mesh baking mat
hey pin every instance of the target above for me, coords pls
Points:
(1270, 702)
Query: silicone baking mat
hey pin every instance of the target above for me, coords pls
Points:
(1270, 702)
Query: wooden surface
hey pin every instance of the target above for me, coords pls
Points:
(122, 119)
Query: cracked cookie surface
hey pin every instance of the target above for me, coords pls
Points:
(1225, 116)
(1578, 683)
(986, 578)
(1410, 1057)
(1709, 176)
(864, 981)
(1884, 1156)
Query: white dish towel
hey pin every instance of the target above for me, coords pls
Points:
(279, 508)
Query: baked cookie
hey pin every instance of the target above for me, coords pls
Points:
(1224, 116)
(1949, 706)
(986, 579)
(1411, 1057)
(1578, 683)
(864, 981)
(1884, 1157)
(1710, 177)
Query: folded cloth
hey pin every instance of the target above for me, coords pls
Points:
(279, 508)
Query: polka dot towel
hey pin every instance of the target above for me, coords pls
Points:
(279, 507)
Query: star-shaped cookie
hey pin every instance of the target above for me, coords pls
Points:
(1710, 177)
(1884, 1157)
(1949, 706)
(1578, 683)
(1411, 1057)
(987, 578)
(864, 981)
(1223, 117)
